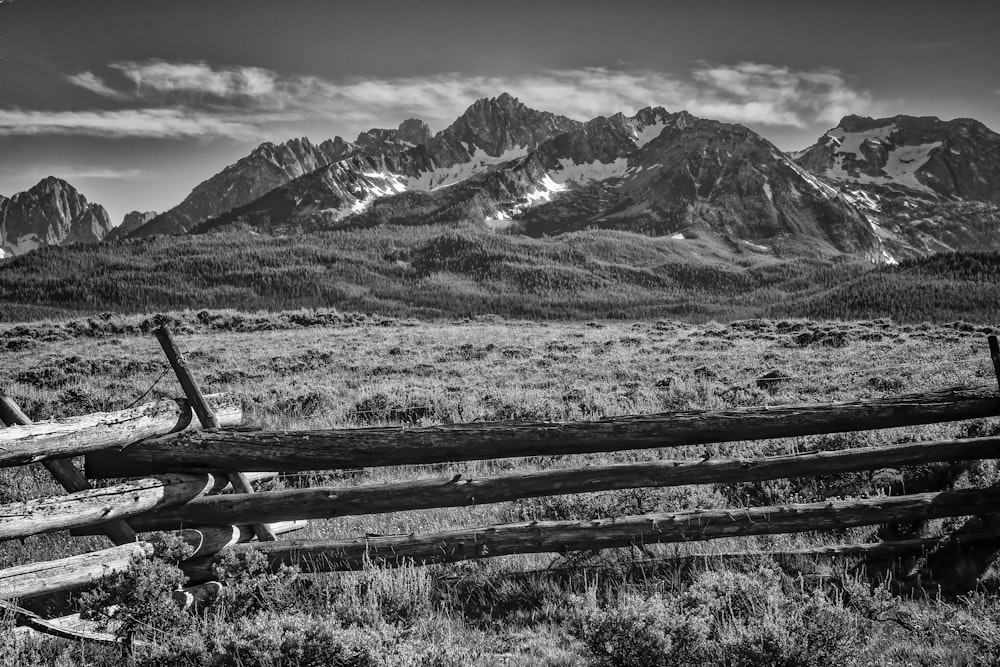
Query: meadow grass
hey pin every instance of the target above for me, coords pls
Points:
(315, 369)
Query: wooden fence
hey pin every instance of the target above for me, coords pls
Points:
(189, 467)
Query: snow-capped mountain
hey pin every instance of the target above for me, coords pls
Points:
(925, 184)
(688, 177)
(507, 165)
(882, 189)
(52, 212)
(490, 132)
(920, 156)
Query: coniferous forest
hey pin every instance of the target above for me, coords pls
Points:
(447, 272)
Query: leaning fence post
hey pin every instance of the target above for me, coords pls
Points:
(205, 414)
(995, 355)
(65, 473)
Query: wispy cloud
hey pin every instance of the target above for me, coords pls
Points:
(769, 95)
(93, 83)
(197, 99)
(150, 123)
(162, 81)
(93, 173)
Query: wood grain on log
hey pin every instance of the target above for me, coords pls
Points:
(97, 506)
(561, 536)
(73, 436)
(26, 581)
(329, 502)
(65, 472)
(245, 449)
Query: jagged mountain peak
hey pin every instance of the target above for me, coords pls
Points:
(50, 183)
(415, 131)
(52, 212)
(497, 126)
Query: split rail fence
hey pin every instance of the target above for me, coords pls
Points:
(190, 467)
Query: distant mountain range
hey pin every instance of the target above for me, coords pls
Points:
(880, 189)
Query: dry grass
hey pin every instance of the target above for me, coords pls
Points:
(358, 373)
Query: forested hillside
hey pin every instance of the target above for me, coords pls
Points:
(443, 271)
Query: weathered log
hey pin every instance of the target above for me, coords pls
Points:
(560, 536)
(26, 581)
(329, 502)
(243, 449)
(866, 552)
(64, 471)
(96, 506)
(74, 436)
(68, 627)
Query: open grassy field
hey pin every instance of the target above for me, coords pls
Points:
(309, 369)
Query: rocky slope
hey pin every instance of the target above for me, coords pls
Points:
(52, 212)
(491, 131)
(926, 185)
(132, 221)
(922, 156)
(267, 167)
(656, 172)
(383, 162)
(882, 189)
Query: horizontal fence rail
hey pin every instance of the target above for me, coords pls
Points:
(26, 581)
(329, 502)
(97, 506)
(248, 450)
(74, 436)
(648, 529)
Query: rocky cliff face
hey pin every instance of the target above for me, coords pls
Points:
(699, 177)
(656, 172)
(877, 188)
(52, 212)
(269, 166)
(132, 221)
(918, 156)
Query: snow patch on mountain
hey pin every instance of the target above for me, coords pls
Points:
(767, 192)
(861, 199)
(544, 193)
(850, 142)
(644, 134)
(584, 173)
(824, 189)
(442, 177)
(756, 246)
(22, 244)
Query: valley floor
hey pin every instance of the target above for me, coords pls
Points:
(321, 370)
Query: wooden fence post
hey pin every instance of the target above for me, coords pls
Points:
(995, 355)
(206, 416)
(65, 473)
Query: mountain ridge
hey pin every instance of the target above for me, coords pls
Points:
(512, 167)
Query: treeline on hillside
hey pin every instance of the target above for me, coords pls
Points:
(442, 271)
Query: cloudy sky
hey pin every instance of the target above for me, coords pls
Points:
(136, 101)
